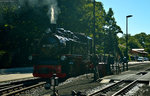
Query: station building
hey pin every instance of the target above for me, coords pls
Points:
(137, 53)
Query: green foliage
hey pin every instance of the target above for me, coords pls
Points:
(148, 56)
(2, 52)
(134, 43)
(141, 38)
(19, 29)
(70, 15)
(111, 30)
(122, 49)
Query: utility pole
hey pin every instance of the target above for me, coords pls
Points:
(127, 57)
(95, 70)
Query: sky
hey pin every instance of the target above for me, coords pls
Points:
(140, 9)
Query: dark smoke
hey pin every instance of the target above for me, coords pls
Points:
(51, 4)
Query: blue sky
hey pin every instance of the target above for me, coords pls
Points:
(140, 9)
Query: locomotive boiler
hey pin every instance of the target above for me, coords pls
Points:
(63, 53)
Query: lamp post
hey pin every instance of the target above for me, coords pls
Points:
(127, 41)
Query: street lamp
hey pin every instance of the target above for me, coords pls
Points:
(127, 40)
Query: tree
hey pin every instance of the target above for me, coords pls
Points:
(141, 38)
(133, 43)
(71, 12)
(112, 29)
(25, 24)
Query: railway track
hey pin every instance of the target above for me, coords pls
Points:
(16, 87)
(119, 88)
(106, 89)
(125, 89)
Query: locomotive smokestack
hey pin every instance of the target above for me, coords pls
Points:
(53, 28)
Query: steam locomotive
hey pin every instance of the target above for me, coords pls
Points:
(63, 53)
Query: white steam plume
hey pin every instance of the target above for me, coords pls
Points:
(53, 11)
(52, 15)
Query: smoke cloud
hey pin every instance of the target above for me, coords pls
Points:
(53, 10)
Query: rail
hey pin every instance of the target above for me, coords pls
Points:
(126, 88)
(105, 89)
(20, 86)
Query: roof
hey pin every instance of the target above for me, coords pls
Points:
(141, 51)
(137, 49)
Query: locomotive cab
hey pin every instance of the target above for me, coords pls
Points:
(47, 62)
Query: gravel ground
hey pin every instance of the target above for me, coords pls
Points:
(135, 91)
(83, 83)
(144, 91)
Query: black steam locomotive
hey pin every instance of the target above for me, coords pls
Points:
(63, 53)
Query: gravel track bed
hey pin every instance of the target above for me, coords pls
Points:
(83, 83)
(11, 81)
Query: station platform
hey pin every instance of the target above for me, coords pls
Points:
(15, 73)
(9, 77)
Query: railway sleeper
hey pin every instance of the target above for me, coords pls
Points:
(126, 88)
(10, 88)
(23, 90)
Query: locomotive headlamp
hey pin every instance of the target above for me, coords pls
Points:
(63, 58)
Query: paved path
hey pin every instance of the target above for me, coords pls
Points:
(9, 77)
(134, 62)
(15, 73)
(16, 70)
